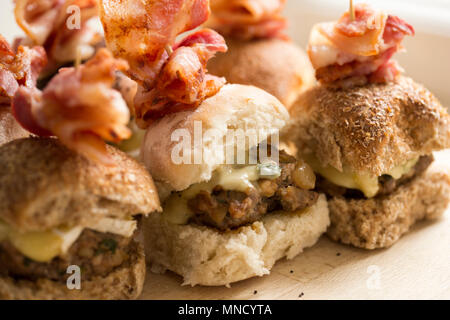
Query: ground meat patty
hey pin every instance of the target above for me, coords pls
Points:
(96, 253)
(386, 183)
(224, 209)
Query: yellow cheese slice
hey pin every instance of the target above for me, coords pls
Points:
(367, 183)
(43, 246)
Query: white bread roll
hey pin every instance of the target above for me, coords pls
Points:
(234, 106)
(205, 256)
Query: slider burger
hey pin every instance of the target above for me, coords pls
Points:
(224, 223)
(16, 68)
(259, 52)
(369, 132)
(221, 223)
(59, 209)
(70, 202)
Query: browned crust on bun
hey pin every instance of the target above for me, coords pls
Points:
(10, 129)
(371, 128)
(379, 222)
(126, 282)
(274, 65)
(44, 185)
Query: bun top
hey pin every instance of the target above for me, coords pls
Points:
(233, 107)
(277, 66)
(45, 185)
(368, 129)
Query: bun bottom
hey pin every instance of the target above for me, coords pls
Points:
(380, 222)
(126, 282)
(206, 256)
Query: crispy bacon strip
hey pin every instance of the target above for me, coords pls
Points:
(54, 25)
(78, 106)
(182, 83)
(248, 19)
(18, 68)
(141, 32)
(182, 77)
(358, 49)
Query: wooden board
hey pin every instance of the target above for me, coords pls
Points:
(416, 267)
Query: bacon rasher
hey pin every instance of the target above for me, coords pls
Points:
(171, 76)
(19, 68)
(248, 19)
(51, 24)
(358, 50)
(79, 107)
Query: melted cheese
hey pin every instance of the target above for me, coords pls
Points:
(236, 178)
(399, 171)
(368, 184)
(38, 246)
(43, 246)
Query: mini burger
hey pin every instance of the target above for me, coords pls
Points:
(369, 132)
(259, 52)
(60, 210)
(67, 204)
(222, 221)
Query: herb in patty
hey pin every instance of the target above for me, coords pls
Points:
(106, 245)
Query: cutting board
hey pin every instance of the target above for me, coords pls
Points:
(416, 267)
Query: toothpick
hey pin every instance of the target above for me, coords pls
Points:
(352, 11)
(78, 57)
(168, 49)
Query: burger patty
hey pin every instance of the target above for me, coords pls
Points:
(96, 253)
(386, 183)
(225, 209)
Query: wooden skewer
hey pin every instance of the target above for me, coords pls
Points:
(78, 57)
(168, 49)
(352, 11)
